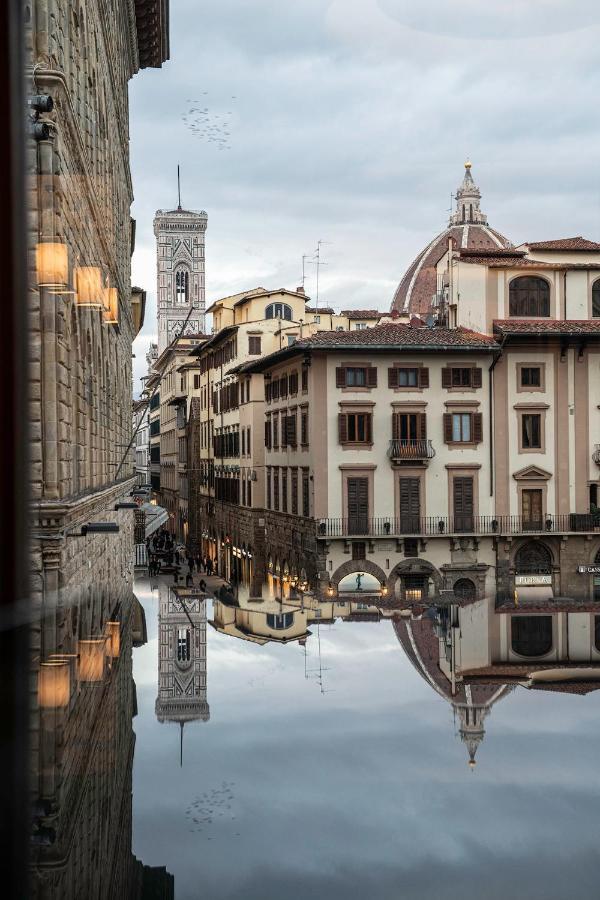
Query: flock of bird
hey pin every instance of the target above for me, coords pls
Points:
(210, 805)
(214, 128)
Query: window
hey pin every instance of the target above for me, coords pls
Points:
(317, 320)
(464, 589)
(196, 382)
(531, 635)
(304, 380)
(411, 547)
(183, 644)
(275, 432)
(280, 621)
(359, 550)
(356, 376)
(529, 295)
(414, 588)
(409, 427)
(304, 428)
(408, 377)
(284, 490)
(463, 428)
(254, 345)
(291, 339)
(354, 428)
(182, 286)
(360, 325)
(596, 299)
(533, 558)
(458, 377)
(531, 376)
(305, 494)
(276, 488)
(278, 311)
(268, 489)
(531, 431)
(294, 492)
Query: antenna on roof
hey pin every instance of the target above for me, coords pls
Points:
(178, 189)
(318, 262)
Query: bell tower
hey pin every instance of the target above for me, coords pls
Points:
(180, 289)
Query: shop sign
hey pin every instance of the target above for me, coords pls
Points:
(532, 580)
(588, 570)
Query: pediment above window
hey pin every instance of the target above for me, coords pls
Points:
(532, 473)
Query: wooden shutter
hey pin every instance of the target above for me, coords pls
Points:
(372, 376)
(447, 427)
(476, 377)
(291, 430)
(368, 427)
(477, 427)
(446, 378)
(396, 426)
(268, 434)
(393, 377)
(304, 379)
(340, 377)
(423, 378)
(342, 428)
(423, 426)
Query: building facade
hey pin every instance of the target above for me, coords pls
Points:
(180, 258)
(141, 430)
(84, 315)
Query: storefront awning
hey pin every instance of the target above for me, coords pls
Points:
(534, 594)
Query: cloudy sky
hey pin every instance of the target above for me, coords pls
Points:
(348, 121)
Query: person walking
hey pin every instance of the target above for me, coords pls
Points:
(203, 585)
(189, 580)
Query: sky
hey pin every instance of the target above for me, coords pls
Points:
(348, 121)
(362, 790)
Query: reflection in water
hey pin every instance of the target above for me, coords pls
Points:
(181, 658)
(82, 754)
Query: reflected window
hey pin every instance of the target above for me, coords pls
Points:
(280, 621)
(464, 589)
(183, 644)
(529, 296)
(531, 635)
(415, 588)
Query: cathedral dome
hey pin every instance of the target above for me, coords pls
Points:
(469, 230)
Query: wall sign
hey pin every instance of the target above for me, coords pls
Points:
(532, 580)
(588, 570)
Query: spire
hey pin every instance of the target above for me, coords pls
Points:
(471, 729)
(178, 189)
(181, 745)
(468, 197)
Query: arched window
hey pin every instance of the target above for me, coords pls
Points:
(278, 311)
(183, 645)
(182, 286)
(596, 299)
(529, 296)
(531, 635)
(470, 212)
(533, 558)
(464, 589)
(281, 621)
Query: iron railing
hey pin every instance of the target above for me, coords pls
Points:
(428, 526)
(596, 454)
(411, 449)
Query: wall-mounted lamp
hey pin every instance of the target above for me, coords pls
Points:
(91, 659)
(88, 282)
(330, 590)
(54, 684)
(52, 266)
(95, 528)
(113, 633)
(110, 313)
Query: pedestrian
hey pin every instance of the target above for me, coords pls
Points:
(191, 565)
(189, 581)
(203, 585)
(215, 566)
(208, 565)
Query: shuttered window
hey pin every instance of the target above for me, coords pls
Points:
(254, 345)
(304, 428)
(268, 434)
(463, 428)
(461, 377)
(304, 380)
(284, 490)
(356, 376)
(354, 428)
(295, 492)
(409, 426)
(290, 430)
(407, 377)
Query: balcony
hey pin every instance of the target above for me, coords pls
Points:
(432, 526)
(403, 450)
(596, 454)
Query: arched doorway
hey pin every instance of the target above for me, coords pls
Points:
(414, 581)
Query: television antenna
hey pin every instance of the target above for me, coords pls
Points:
(318, 262)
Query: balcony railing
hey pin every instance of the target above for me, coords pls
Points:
(596, 454)
(410, 449)
(429, 526)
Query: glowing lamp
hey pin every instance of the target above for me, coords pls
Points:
(91, 659)
(88, 282)
(52, 266)
(113, 634)
(111, 306)
(54, 684)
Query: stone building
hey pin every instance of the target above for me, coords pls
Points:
(84, 314)
(141, 429)
(180, 245)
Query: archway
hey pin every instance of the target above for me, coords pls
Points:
(414, 581)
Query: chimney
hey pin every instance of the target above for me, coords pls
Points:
(300, 290)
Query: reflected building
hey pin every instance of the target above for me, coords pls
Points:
(181, 658)
(82, 789)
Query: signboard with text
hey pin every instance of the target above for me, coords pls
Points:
(588, 570)
(532, 580)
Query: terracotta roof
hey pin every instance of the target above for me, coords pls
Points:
(547, 326)
(419, 282)
(328, 310)
(574, 243)
(391, 335)
(362, 313)
(152, 25)
(519, 262)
